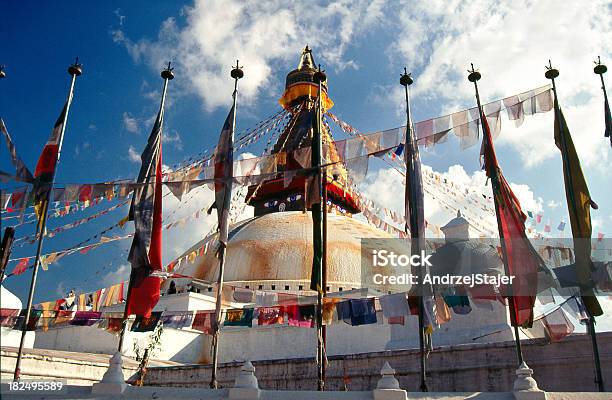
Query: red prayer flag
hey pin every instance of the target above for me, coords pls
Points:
(557, 325)
(146, 212)
(21, 266)
(203, 322)
(522, 261)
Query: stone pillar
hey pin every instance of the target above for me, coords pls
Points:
(113, 381)
(246, 386)
(388, 387)
(525, 387)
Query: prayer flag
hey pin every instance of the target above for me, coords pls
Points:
(146, 212)
(522, 261)
(363, 311)
(177, 320)
(270, 315)
(415, 222)
(579, 205)
(224, 172)
(21, 266)
(22, 172)
(561, 226)
(314, 202)
(34, 317)
(557, 326)
(241, 317)
(203, 322)
(146, 324)
(9, 317)
(47, 162)
(302, 316)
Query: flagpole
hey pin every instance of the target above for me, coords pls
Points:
(320, 223)
(474, 77)
(552, 73)
(236, 73)
(167, 75)
(411, 194)
(74, 70)
(601, 69)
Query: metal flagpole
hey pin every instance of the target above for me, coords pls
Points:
(601, 69)
(167, 75)
(552, 73)
(474, 77)
(319, 214)
(236, 73)
(410, 193)
(74, 70)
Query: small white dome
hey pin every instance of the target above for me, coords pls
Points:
(9, 300)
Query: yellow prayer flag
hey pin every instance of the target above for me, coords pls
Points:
(579, 205)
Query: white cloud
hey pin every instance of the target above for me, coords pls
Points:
(260, 34)
(121, 273)
(130, 123)
(511, 42)
(175, 140)
(553, 204)
(61, 290)
(528, 201)
(440, 203)
(120, 16)
(133, 155)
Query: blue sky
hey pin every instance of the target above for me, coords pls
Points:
(362, 45)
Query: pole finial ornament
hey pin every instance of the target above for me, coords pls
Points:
(474, 75)
(76, 69)
(237, 72)
(600, 68)
(406, 78)
(319, 76)
(551, 73)
(167, 73)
